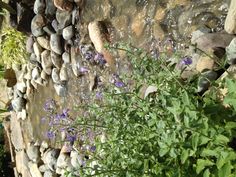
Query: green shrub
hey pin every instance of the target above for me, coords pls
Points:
(171, 132)
(12, 47)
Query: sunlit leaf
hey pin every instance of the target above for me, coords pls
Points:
(201, 164)
(184, 155)
(225, 170)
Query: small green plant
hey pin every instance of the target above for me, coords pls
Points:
(170, 132)
(12, 47)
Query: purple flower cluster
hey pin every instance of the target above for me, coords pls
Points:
(86, 52)
(99, 58)
(117, 81)
(186, 60)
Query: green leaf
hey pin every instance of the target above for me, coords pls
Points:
(206, 173)
(186, 121)
(231, 85)
(230, 125)
(201, 164)
(225, 170)
(163, 151)
(184, 155)
(221, 139)
(222, 159)
(185, 98)
(203, 140)
(195, 140)
(209, 152)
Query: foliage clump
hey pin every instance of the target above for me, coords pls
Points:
(172, 131)
(12, 47)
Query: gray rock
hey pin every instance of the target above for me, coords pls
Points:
(49, 173)
(60, 89)
(66, 57)
(49, 30)
(63, 160)
(209, 42)
(29, 44)
(46, 61)
(33, 153)
(55, 25)
(75, 61)
(63, 73)
(231, 52)
(68, 32)
(18, 104)
(43, 147)
(43, 168)
(43, 42)
(64, 18)
(37, 50)
(35, 73)
(37, 25)
(56, 60)
(76, 159)
(21, 86)
(198, 33)
(205, 80)
(55, 75)
(55, 44)
(50, 8)
(39, 6)
(50, 158)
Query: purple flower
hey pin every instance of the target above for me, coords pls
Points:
(99, 95)
(119, 84)
(49, 105)
(64, 114)
(93, 148)
(186, 61)
(51, 135)
(71, 138)
(100, 59)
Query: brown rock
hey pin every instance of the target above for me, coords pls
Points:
(64, 5)
(204, 63)
(98, 39)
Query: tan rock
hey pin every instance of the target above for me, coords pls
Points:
(43, 42)
(22, 163)
(98, 39)
(158, 32)
(160, 13)
(34, 170)
(64, 5)
(204, 63)
(138, 24)
(230, 21)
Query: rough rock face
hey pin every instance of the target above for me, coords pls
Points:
(230, 22)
